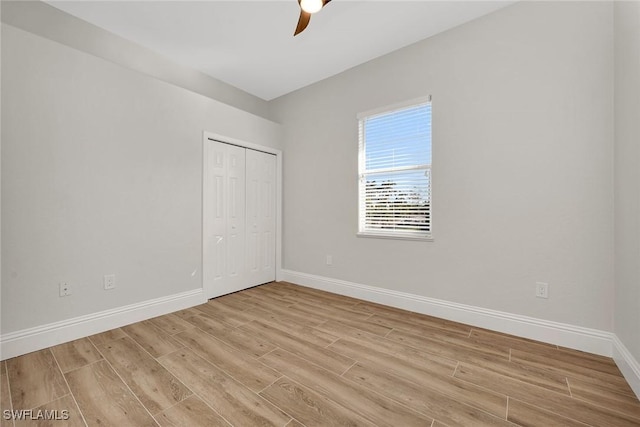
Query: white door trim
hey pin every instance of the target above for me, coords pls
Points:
(206, 226)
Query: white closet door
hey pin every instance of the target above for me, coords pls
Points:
(261, 217)
(225, 236)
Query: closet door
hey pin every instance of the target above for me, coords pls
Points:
(261, 217)
(224, 205)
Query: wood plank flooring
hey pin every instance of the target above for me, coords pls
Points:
(286, 355)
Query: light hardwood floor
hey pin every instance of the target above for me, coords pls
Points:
(286, 355)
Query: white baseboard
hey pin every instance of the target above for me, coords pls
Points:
(576, 337)
(628, 365)
(33, 339)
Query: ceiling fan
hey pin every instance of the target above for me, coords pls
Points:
(308, 8)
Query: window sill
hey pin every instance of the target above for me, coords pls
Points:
(423, 238)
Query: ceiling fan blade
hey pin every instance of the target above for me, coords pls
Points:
(303, 21)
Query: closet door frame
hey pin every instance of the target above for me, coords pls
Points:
(207, 226)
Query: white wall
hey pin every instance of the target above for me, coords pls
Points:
(523, 156)
(44, 20)
(101, 173)
(627, 174)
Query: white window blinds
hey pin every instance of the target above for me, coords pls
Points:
(395, 172)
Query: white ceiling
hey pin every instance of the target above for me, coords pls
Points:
(250, 44)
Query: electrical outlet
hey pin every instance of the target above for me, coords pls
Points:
(65, 289)
(109, 281)
(329, 260)
(542, 290)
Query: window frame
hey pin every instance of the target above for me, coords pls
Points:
(362, 172)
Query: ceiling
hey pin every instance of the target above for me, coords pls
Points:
(250, 44)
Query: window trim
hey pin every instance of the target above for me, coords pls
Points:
(394, 107)
(391, 235)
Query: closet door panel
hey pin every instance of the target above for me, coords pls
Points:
(261, 223)
(225, 222)
(236, 220)
(215, 206)
(253, 194)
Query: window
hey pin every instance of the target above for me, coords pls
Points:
(395, 171)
